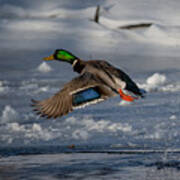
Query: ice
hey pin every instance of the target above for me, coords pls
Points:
(7, 139)
(144, 11)
(9, 114)
(71, 129)
(173, 117)
(155, 135)
(45, 10)
(88, 125)
(35, 86)
(44, 67)
(31, 30)
(26, 134)
(175, 87)
(16, 127)
(29, 85)
(160, 82)
(12, 11)
(164, 35)
(33, 25)
(80, 134)
(154, 82)
(3, 88)
(36, 132)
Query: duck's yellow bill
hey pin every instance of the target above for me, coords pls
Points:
(51, 57)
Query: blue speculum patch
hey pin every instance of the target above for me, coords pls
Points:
(85, 96)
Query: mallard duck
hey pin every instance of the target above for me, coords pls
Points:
(98, 81)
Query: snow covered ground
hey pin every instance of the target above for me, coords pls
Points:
(32, 30)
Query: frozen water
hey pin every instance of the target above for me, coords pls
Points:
(156, 80)
(44, 67)
(9, 114)
(159, 82)
(3, 88)
(173, 117)
(31, 30)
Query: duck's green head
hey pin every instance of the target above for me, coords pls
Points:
(61, 55)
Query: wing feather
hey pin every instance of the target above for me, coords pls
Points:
(57, 108)
(62, 102)
(47, 107)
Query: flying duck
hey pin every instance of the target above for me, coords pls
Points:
(98, 81)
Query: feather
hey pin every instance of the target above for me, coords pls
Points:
(80, 92)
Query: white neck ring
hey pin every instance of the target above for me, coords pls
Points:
(74, 63)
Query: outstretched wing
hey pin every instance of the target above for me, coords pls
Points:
(81, 91)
